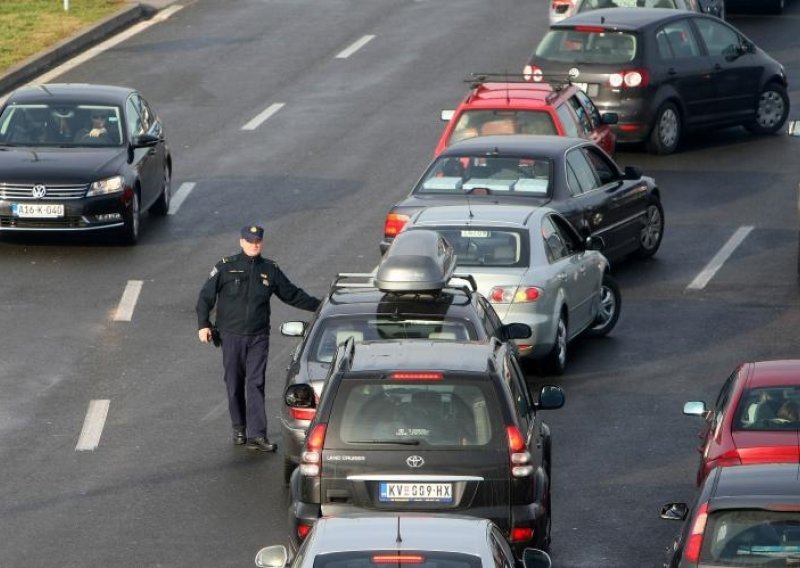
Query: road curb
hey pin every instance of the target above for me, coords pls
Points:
(41, 62)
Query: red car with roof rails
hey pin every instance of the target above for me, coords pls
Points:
(755, 419)
(520, 107)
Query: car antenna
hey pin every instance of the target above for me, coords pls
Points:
(469, 205)
(508, 89)
(399, 538)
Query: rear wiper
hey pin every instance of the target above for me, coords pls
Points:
(401, 442)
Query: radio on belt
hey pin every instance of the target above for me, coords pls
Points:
(417, 261)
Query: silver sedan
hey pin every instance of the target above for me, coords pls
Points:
(535, 269)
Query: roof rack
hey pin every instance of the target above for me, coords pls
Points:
(340, 281)
(468, 278)
(556, 81)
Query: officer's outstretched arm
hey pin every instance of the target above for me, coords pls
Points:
(291, 294)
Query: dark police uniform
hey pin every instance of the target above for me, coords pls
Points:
(241, 287)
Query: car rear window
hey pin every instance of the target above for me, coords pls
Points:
(584, 46)
(486, 246)
(441, 413)
(472, 123)
(482, 175)
(60, 124)
(751, 538)
(773, 408)
(588, 5)
(394, 558)
(336, 330)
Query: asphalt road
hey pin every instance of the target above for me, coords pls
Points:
(165, 487)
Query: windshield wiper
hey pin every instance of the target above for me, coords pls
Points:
(401, 442)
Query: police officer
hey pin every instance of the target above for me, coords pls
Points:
(241, 287)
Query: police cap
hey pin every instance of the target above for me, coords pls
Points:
(252, 233)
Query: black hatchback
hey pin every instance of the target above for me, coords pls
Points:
(415, 426)
(664, 72)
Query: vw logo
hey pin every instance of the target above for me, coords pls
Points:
(39, 191)
(415, 461)
(573, 73)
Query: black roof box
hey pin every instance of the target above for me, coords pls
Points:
(417, 261)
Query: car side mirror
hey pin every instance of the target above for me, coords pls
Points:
(293, 328)
(447, 115)
(609, 118)
(674, 511)
(300, 396)
(514, 331)
(535, 558)
(633, 172)
(550, 398)
(594, 243)
(794, 128)
(695, 408)
(272, 557)
(145, 141)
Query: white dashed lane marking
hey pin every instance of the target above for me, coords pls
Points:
(180, 196)
(705, 275)
(259, 119)
(93, 425)
(128, 301)
(355, 46)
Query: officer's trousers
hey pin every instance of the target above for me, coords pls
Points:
(244, 358)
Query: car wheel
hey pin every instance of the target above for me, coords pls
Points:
(555, 362)
(772, 110)
(288, 470)
(161, 206)
(652, 231)
(610, 305)
(666, 131)
(130, 231)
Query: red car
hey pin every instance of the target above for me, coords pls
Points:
(528, 108)
(756, 418)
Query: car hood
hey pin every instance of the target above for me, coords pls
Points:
(59, 165)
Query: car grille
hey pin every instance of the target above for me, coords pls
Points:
(54, 191)
(70, 222)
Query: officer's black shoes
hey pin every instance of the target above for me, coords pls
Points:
(261, 444)
(239, 437)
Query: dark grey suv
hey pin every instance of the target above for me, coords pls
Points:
(664, 72)
(427, 426)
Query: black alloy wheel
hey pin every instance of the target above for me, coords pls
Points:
(132, 217)
(666, 133)
(608, 312)
(772, 110)
(161, 206)
(652, 231)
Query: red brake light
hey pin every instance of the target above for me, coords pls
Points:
(302, 413)
(531, 294)
(590, 29)
(521, 534)
(398, 559)
(695, 542)
(630, 79)
(416, 376)
(516, 443)
(513, 295)
(394, 224)
(303, 530)
(317, 438)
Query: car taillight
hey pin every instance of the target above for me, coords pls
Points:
(398, 559)
(394, 224)
(302, 413)
(514, 295)
(591, 29)
(518, 454)
(303, 530)
(311, 460)
(635, 78)
(521, 534)
(695, 542)
(416, 376)
(532, 73)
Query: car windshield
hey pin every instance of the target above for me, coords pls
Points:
(472, 123)
(336, 330)
(751, 538)
(60, 124)
(486, 246)
(393, 558)
(588, 5)
(484, 175)
(448, 412)
(588, 46)
(773, 408)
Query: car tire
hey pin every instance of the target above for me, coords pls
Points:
(610, 305)
(555, 362)
(132, 220)
(161, 206)
(288, 470)
(653, 230)
(666, 133)
(772, 110)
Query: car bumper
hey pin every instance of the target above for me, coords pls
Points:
(85, 214)
(542, 330)
(635, 119)
(294, 436)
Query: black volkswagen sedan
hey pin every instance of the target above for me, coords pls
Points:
(664, 72)
(81, 158)
(571, 175)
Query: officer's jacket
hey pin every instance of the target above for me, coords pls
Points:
(241, 286)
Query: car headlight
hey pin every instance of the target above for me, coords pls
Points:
(106, 186)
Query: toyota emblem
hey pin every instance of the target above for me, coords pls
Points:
(39, 191)
(573, 73)
(415, 461)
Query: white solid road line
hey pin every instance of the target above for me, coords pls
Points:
(355, 46)
(705, 275)
(128, 301)
(93, 425)
(260, 118)
(180, 196)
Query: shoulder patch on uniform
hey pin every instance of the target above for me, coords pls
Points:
(214, 272)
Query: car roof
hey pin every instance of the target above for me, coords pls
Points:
(755, 485)
(420, 532)
(620, 18)
(515, 215)
(513, 95)
(774, 373)
(514, 145)
(416, 354)
(71, 92)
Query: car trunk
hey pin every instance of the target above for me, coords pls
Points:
(767, 446)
